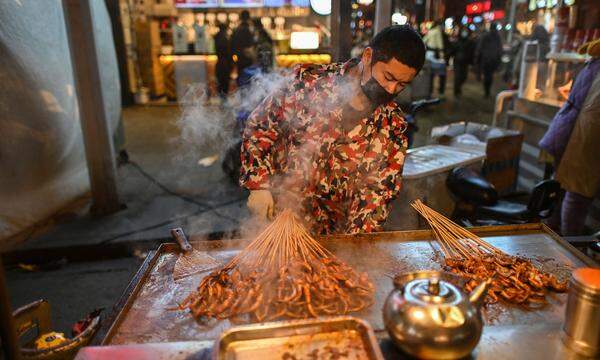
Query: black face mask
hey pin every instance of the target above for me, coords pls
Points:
(375, 92)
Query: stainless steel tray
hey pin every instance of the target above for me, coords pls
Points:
(327, 338)
(144, 314)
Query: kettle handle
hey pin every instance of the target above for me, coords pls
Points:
(478, 294)
(398, 285)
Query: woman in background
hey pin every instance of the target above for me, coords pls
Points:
(572, 139)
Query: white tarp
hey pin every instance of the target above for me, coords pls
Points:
(42, 160)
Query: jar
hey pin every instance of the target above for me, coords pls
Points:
(581, 329)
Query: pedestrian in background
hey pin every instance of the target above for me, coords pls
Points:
(513, 68)
(434, 40)
(264, 47)
(242, 43)
(463, 52)
(224, 61)
(476, 36)
(572, 140)
(541, 35)
(489, 56)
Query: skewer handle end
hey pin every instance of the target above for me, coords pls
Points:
(179, 236)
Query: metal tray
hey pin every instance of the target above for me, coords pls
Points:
(144, 314)
(328, 338)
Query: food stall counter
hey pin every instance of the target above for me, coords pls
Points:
(147, 313)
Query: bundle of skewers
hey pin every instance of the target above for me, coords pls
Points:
(515, 279)
(283, 273)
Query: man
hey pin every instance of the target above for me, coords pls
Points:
(223, 67)
(463, 52)
(489, 55)
(242, 42)
(330, 144)
(264, 47)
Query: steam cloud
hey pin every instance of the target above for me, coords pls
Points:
(207, 129)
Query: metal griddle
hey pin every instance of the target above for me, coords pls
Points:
(145, 313)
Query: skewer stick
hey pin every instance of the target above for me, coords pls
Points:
(249, 277)
(452, 235)
(444, 237)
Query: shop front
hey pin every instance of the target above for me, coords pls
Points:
(174, 42)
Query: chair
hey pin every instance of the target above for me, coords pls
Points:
(540, 205)
(481, 200)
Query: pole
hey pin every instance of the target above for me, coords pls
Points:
(114, 11)
(10, 341)
(383, 14)
(341, 36)
(511, 20)
(97, 138)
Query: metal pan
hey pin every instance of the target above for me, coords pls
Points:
(326, 338)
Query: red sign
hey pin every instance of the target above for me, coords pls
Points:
(494, 15)
(478, 7)
(498, 14)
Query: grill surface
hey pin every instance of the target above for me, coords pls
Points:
(146, 314)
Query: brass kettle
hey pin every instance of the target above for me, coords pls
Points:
(428, 316)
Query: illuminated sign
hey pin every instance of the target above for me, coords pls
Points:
(280, 3)
(494, 15)
(196, 3)
(304, 40)
(241, 3)
(478, 7)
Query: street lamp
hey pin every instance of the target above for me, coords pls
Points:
(399, 18)
(321, 7)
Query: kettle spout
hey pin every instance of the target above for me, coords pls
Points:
(478, 294)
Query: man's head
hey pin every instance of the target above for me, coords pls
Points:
(391, 61)
(245, 16)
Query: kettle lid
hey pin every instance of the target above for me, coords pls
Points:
(432, 291)
(429, 287)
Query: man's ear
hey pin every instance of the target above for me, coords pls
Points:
(367, 56)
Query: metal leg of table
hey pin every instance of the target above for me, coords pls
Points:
(10, 343)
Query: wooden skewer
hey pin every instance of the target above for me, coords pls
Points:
(462, 231)
(454, 240)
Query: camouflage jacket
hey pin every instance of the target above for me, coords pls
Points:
(344, 180)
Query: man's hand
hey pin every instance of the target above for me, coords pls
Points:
(261, 204)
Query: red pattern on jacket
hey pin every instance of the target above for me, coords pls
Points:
(344, 181)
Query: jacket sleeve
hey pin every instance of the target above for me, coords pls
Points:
(370, 206)
(261, 138)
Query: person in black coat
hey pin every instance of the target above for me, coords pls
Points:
(489, 55)
(242, 42)
(224, 61)
(264, 47)
(463, 52)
